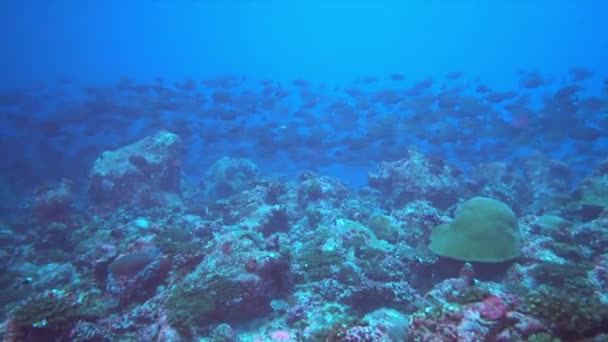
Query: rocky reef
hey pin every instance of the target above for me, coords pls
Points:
(424, 252)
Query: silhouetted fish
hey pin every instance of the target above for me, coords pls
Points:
(454, 75)
(531, 80)
(368, 80)
(482, 89)
(498, 97)
(580, 74)
(397, 77)
(186, 85)
(301, 83)
(417, 88)
(567, 92)
(586, 133)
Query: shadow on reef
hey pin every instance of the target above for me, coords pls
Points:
(446, 268)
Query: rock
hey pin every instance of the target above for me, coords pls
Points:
(393, 321)
(134, 276)
(590, 197)
(418, 178)
(236, 280)
(549, 180)
(229, 176)
(502, 182)
(53, 203)
(313, 189)
(138, 174)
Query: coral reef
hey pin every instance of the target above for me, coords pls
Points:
(484, 230)
(245, 258)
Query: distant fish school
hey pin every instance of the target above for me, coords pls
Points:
(312, 125)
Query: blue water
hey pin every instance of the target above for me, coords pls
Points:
(322, 41)
(329, 44)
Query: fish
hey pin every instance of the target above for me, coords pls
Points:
(580, 74)
(221, 97)
(482, 89)
(498, 97)
(186, 85)
(396, 77)
(386, 97)
(369, 119)
(567, 93)
(300, 83)
(531, 80)
(454, 75)
(586, 133)
(419, 87)
(367, 80)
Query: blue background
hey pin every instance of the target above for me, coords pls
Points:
(333, 41)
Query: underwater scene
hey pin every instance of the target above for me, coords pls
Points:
(310, 171)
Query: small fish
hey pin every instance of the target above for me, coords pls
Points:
(520, 121)
(299, 83)
(454, 75)
(186, 85)
(586, 133)
(482, 89)
(498, 97)
(567, 92)
(580, 74)
(424, 84)
(397, 77)
(368, 80)
(531, 80)
(221, 97)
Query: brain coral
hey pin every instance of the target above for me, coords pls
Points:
(483, 230)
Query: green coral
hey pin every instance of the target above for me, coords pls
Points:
(310, 190)
(375, 272)
(318, 263)
(471, 295)
(384, 228)
(570, 316)
(224, 289)
(347, 274)
(314, 216)
(568, 251)
(175, 240)
(542, 337)
(483, 230)
(335, 332)
(592, 190)
(248, 237)
(189, 305)
(93, 306)
(50, 310)
(363, 241)
(570, 277)
(550, 223)
(9, 293)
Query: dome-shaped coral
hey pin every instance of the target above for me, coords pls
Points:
(483, 230)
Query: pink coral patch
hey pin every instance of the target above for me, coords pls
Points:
(493, 308)
(280, 335)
